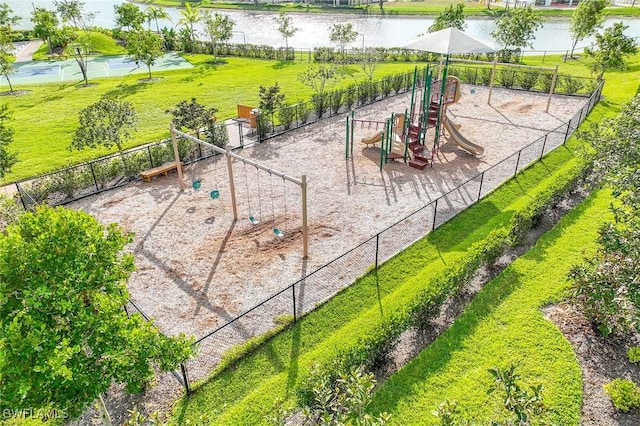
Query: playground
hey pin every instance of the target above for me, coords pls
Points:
(197, 269)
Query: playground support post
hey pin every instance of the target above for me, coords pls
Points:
(305, 229)
(176, 156)
(553, 87)
(346, 145)
(493, 76)
(232, 185)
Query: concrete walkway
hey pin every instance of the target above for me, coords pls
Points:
(25, 50)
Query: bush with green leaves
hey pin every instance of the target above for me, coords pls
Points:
(507, 78)
(320, 104)
(335, 99)
(527, 79)
(303, 110)
(287, 115)
(624, 394)
(634, 354)
(545, 80)
(329, 398)
(571, 84)
(484, 76)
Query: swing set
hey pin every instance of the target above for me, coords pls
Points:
(215, 193)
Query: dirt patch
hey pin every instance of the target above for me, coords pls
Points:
(15, 93)
(601, 360)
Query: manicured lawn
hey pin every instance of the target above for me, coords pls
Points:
(101, 43)
(404, 7)
(46, 118)
(503, 326)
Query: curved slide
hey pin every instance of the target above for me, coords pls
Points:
(462, 142)
(373, 139)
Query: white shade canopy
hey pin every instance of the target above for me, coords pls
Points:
(450, 41)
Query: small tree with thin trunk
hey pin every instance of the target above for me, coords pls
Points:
(341, 35)
(6, 57)
(154, 14)
(129, 15)
(190, 17)
(517, 27)
(610, 49)
(45, 25)
(219, 28)
(108, 122)
(192, 116)
(145, 46)
(64, 335)
(7, 159)
(285, 28)
(586, 20)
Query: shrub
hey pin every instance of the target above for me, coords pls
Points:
(546, 80)
(320, 104)
(218, 135)
(363, 94)
(469, 75)
(304, 112)
(527, 80)
(350, 96)
(624, 394)
(507, 78)
(335, 101)
(386, 87)
(484, 75)
(634, 354)
(571, 84)
(373, 91)
(287, 115)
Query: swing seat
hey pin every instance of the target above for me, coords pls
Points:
(253, 220)
(196, 184)
(278, 233)
(215, 194)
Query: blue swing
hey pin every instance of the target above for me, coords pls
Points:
(196, 184)
(278, 233)
(215, 194)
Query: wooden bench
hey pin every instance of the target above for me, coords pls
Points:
(163, 169)
(246, 116)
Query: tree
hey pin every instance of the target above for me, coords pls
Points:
(129, 15)
(607, 286)
(611, 48)
(192, 116)
(341, 35)
(73, 11)
(145, 46)
(450, 17)
(7, 159)
(285, 27)
(6, 58)
(516, 28)
(586, 19)
(45, 25)
(219, 28)
(108, 122)
(368, 60)
(64, 336)
(7, 18)
(270, 100)
(154, 14)
(319, 78)
(190, 17)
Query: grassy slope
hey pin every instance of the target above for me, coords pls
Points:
(45, 119)
(503, 325)
(101, 43)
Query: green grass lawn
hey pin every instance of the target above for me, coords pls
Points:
(403, 7)
(503, 326)
(46, 118)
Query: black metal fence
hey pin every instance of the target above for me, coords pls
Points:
(318, 286)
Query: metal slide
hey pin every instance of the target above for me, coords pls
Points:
(462, 142)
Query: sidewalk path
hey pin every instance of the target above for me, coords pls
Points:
(25, 50)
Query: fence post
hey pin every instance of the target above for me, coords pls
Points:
(517, 163)
(93, 174)
(377, 246)
(566, 134)
(435, 212)
(185, 377)
(150, 156)
(240, 135)
(295, 316)
(24, 205)
(480, 189)
(126, 311)
(544, 143)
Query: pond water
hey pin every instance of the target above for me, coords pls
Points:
(260, 28)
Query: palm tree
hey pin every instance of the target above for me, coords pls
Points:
(190, 16)
(155, 13)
